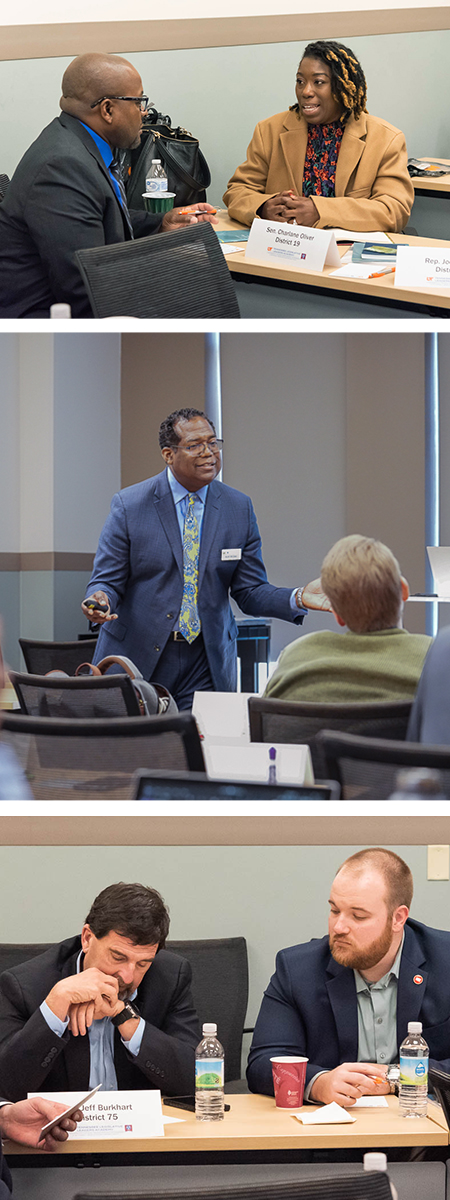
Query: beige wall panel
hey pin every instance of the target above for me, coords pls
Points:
(160, 372)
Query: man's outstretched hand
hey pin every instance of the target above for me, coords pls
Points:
(314, 597)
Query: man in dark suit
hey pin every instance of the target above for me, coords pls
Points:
(345, 1001)
(143, 562)
(112, 1006)
(67, 193)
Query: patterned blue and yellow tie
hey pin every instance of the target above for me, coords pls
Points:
(189, 619)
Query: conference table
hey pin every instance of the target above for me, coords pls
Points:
(254, 1133)
(271, 291)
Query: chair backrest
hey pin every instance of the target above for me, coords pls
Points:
(14, 953)
(368, 1185)
(41, 657)
(220, 990)
(81, 698)
(294, 721)
(366, 768)
(86, 760)
(182, 274)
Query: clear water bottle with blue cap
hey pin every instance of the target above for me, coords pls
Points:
(413, 1089)
(156, 180)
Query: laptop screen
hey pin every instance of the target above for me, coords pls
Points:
(193, 786)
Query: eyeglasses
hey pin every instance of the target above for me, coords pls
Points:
(197, 447)
(142, 102)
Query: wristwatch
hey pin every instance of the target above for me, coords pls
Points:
(299, 597)
(129, 1013)
(393, 1077)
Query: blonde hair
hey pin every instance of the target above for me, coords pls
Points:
(393, 869)
(363, 583)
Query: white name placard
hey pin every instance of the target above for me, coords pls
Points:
(294, 246)
(421, 266)
(114, 1114)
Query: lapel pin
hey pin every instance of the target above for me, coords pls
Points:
(417, 978)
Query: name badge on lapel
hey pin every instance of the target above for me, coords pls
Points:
(234, 554)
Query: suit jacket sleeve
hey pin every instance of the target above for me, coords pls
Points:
(279, 1029)
(167, 1053)
(387, 206)
(112, 561)
(5, 1178)
(28, 1047)
(250, 587)
(64, 213)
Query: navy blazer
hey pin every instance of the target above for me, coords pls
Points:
(430, 714)
(61, 198)
(33, 1058)
(139, 564)
(310, 1005)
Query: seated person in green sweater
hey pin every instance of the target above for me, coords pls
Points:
(375, 659)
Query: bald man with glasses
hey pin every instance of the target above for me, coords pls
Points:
(67, 192)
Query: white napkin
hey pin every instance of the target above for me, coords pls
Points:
(330, 1114)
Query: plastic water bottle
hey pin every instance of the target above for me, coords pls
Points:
(377, 1161)
(156, 180)
(209, 1076)
(413, 1073)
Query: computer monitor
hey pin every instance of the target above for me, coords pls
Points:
(193, 786)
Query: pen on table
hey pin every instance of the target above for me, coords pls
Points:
(376, 1079)
(378, 274)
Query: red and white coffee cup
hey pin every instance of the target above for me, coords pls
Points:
(289, 1075)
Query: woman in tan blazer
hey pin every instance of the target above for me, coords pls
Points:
(326, 162)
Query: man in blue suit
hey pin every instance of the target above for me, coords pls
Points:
(171, 551)
(344, 1001)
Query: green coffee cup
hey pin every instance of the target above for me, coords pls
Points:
(158, 202)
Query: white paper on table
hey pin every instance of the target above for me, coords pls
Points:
(172, 1120)
(350, 235)
(231, 247)
(330, 1114)
(222, 717)
(371, 1102)
(355, 271)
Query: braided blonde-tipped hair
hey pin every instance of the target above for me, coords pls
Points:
(348, 82)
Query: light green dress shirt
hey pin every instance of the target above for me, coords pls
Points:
(377, 1015)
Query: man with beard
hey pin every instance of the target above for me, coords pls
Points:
(344, 1001)
(111, 1007)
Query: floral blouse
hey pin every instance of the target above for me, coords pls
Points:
(323, 146)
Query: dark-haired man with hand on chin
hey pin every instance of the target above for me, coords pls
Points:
(111, 1006)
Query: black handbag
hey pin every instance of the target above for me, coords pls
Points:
(186, 167)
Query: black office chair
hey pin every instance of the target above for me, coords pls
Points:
(79, 698)
(14, 953)
(369, 1185)
(41, 657)
(220, 991)
(85, 760)
(366, 768)
(296, 721)
(181, 274)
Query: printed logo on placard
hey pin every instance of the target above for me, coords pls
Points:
(128, 1128)
(303, 256)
